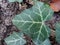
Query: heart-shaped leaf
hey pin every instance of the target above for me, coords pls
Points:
(15, 0)
(57, 26)
(15, 39)
(32, 21)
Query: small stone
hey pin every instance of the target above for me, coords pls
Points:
(2, 31)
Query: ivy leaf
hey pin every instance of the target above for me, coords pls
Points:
(34, 0)
(15, 39)
(57, 26)
(15, 0)
(46, 42)
(32, 22)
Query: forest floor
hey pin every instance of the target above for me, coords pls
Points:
(7, 13)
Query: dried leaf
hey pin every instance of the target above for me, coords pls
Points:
(55, 5)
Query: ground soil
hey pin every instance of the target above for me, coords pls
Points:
(8, 12)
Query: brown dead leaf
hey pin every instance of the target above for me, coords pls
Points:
(55, 5)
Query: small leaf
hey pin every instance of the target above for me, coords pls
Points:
(15, 39)
(32, 22)
(57, 27)
(34, 0)
(15, 0)
(46, 42)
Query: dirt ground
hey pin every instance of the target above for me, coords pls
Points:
(7, 13)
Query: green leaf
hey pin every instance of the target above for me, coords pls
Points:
(34, 0)
(32, 22)
(15, 0)
(15, 39)
(46, 42)
(57, 27)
